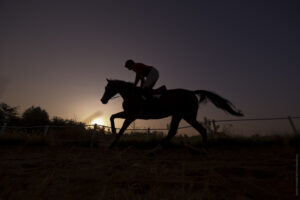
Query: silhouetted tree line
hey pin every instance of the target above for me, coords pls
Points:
(33, 116)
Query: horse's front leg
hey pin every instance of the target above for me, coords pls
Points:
(126, 123)
(112, 120)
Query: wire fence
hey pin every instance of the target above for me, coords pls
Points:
(95, 126)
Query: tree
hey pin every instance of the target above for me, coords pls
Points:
(58, 121)
(8, 114)
(35, 116)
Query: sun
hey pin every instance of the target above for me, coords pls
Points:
(98, 121)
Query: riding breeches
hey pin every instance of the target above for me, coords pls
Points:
(151, 79)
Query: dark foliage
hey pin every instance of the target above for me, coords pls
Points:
(8, 114)
(35, 116)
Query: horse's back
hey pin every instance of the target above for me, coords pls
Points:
(172, 102)
(180, 99)
(180, 93)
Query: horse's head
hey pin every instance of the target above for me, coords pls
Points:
(110, 91)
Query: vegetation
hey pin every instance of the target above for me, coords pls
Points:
(33, 116)
(8, 114)
(100, 137)
(61, 131)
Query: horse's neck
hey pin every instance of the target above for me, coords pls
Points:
(124, 91)
(127, 93)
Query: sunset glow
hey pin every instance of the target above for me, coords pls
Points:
(98, 121)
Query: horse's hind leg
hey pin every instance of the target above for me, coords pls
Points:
(173, 129)
(199, 128)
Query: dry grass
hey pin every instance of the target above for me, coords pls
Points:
(60, 172)
(63, 166)
(83, 137)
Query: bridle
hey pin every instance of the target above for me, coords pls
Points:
(115, 97)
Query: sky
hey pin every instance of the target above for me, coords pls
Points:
(58, 54)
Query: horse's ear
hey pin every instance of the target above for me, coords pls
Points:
(107, 80)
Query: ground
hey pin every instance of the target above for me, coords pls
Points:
(74, 172)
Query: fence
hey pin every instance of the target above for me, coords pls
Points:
(289, 118)
(214, 123)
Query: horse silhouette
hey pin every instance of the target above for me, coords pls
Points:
(178, 103)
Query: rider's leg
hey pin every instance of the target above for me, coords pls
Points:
(149, 83)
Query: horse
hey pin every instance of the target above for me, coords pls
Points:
(178, 103)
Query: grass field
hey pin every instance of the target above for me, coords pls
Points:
(65, 166)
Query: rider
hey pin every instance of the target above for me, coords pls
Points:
(148, 76)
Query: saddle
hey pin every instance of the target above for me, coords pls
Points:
(159, 91)
(149, 104)
(152, 97)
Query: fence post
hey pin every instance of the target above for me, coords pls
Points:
(3, 128)
(148, 132)
(46, 130)
(292, 125)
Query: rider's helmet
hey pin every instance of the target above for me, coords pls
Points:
(129, 64)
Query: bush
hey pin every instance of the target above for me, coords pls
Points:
(35, 116)
(8, 115)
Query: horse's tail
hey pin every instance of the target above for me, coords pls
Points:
(218, 101)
